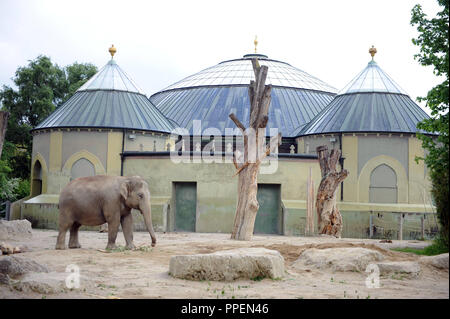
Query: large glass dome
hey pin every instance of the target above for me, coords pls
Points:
(212, 94)
(240, 71)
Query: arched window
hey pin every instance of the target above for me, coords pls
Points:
(36, 179)
(82, 168)
(383, 185)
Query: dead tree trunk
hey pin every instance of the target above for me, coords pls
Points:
(255, 150)
(329, 217)
(3, 123)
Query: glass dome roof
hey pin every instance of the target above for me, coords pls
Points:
(111, 77)
(240, 72)
(212, 94)
(372, 79)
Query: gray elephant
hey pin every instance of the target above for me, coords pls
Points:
(94, 200)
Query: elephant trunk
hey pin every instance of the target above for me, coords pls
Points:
(147, 213)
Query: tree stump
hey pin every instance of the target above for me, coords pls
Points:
(329, 217)
(255, 150)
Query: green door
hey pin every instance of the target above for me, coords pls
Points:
(268, 218)
(185, 206)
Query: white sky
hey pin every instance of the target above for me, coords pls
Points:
(161, 42)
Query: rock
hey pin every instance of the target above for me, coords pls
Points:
(4, 279)
(229, 265)
(6, 249)
(16, 266)
(15, 229)
(338, 259)
(438, 261)
(42, 283)
(399, 267)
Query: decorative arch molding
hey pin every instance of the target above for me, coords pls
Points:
(99, 169)
(38, 157)
(366, 171)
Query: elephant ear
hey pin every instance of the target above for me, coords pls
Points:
(124, 190)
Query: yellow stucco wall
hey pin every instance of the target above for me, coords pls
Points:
(418, 182)
(350, 153)
(114, 150)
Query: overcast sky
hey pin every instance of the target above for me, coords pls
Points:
(161, 42)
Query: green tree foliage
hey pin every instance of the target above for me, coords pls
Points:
(40, 88)
(433, 43)
(77, 74)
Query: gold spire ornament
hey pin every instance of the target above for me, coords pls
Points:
(112, 50)
(372, 51)
(255, 42)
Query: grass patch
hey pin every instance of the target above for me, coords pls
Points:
(258, 278)
(434, 249)
(118, 249)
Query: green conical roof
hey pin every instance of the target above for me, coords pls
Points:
(110, 99)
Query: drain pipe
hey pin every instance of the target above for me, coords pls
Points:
(122, 158)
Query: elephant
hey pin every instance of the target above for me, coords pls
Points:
(94, 200)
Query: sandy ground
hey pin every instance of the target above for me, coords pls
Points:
(143, 273)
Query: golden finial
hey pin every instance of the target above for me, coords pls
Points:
(112, 50)
(255, 42)
(372, 51)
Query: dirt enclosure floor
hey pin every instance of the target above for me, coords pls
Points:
(144, 272)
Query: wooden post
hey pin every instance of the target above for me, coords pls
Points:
(309, 226)
(329, 217)
(400, 228)
(8, 210)
(422, 226)
(371, 226)
(3, 123)
(254, 153)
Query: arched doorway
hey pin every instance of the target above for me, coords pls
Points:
(383, 185)
(36, 182)
(82, 168)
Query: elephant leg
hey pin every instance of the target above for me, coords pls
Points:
(73, 241)
(113, 228)
(127, 229)
(61, 240)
